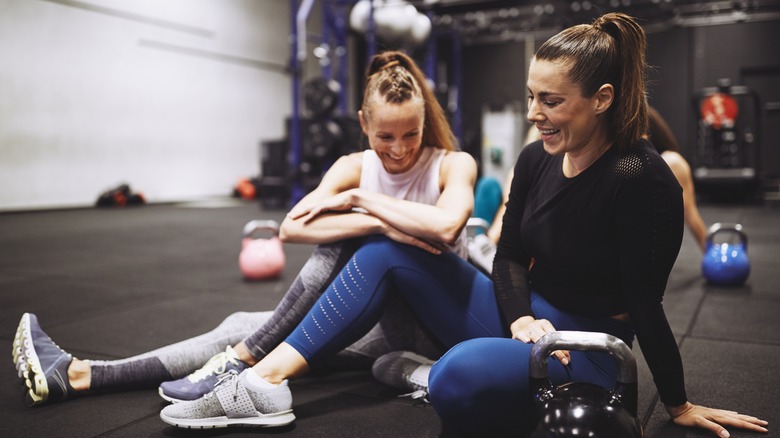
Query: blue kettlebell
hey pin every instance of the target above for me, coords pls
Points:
(581, 409)
(726, 264)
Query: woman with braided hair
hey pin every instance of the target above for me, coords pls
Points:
(412, 186)
(595, 207)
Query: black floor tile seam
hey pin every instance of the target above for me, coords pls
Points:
(648, 414)
(694, 318)
(127, 425)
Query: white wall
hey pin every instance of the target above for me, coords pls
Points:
(169, 96)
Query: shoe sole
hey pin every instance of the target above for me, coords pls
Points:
(34, 379)
(168, 398)
(17, 351)
(262, 420)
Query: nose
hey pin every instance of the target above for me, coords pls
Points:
(397, 147)
(534, 114)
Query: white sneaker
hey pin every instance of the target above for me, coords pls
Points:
(233, 404)
(481, 252)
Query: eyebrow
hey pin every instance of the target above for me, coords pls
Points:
(415, 131)
(545, 94)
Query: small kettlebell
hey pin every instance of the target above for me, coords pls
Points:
(581, 409)
(261, 259)
(726, 264)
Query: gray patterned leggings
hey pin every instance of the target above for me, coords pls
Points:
(263, 331)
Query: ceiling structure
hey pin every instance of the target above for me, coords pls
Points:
(505, 20)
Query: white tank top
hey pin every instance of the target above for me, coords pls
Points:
(418, 184)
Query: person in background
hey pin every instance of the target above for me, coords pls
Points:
(666, 144)
(490, 198)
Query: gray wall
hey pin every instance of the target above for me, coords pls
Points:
(690, 59)
(684, 60)
(170, 96)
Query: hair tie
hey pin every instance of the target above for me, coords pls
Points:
(390, 64)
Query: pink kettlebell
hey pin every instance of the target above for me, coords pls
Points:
(261, 259)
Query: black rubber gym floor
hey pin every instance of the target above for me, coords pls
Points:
(110, 283)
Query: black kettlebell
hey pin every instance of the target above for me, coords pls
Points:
(580, 409)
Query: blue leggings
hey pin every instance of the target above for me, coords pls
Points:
(480, 384)
(452, 299)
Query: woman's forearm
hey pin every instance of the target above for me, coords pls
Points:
(428, 222)
(330, 227)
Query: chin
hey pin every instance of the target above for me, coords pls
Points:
(552, 149)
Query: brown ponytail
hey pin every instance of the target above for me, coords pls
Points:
(397, 79)
(609, 51)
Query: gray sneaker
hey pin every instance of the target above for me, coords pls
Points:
(202, 381)
(233, 404)
(404, 370)
(42, 364)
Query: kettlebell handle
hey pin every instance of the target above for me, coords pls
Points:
(726, 227)
(582, 341)
(625, 391)
(260, 225)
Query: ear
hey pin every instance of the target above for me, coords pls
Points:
(363, 124)
(603, 98)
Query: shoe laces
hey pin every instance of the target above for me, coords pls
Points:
(231, 378)
(227, 378)
(420, 394)
(216, 365)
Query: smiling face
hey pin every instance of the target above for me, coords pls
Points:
(394, 132)
(568, 121)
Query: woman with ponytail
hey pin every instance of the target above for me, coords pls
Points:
(599, 212)
(412, 186)
(592, 204)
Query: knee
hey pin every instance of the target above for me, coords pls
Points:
(480, 385)
(452, 384)
(383, 248)
(233, 320)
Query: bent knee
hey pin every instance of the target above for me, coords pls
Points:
(478, 373)
(454, 383)
(243, 320)
(481, 385)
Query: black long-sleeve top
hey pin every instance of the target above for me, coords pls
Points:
(603, 243)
